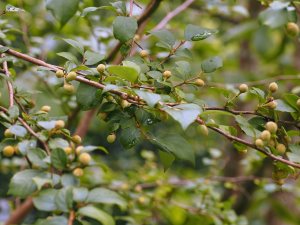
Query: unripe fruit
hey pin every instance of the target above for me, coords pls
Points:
(271, 126)
(102, 115)
(8, 134)
(101, 68)
(243, 88)
(244, 151)
(78, 172)
(111, 138)
(279, 182)
(137, 37)
(199, 82)
(71, 76)
(69, 88)
(85, 158)
(287, 138)
(46, 108)
(292, 29)
(59, 124)
(8, 151)
(144, 53)
(259, 143)
(141, 199)
(68, 150)
(167, 74)
(76, 139)
(125, 104)
(273, 87)
(203, 129)
(272, 105)
(281, 148)
(78, 150)
(59, 73)
(298, 102)
(265, 135)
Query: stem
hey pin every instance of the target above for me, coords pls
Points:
(9, 84)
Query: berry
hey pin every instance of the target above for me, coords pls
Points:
(199, 82)
(59, 124)
(76, 139)
(298, 102)
(292, 29)
(8, 151)
(259, 143)
(281, 148)
(69, 88)
(78, 172)
(144, 53)
(203, 130)
(271, 126)
(85, 158)
(243, 88)
(46, 108)
(68, 150)
(78, 150)
(8, 134)
(167, 74)
(137, 37)
(273, 87)
(125, 104)
(71, 76)
(272, 105)
(265, 135)
(244, 151)
(111, 138)
(102, 115)
(59, 73)
(101, 68)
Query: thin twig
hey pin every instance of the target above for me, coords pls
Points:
(172, 52)
(131, 7)
(9, 84)
(71, 217)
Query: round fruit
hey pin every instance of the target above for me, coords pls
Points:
(167, 74)
(292, 29)
(273, 87)
(68, 150)
(265, 135)
(71, 76)
(203, 129)
(76, 139)
(102, 115)
(259, 143)
(281, 148)
(244, 151)
(279, 182)
(125, 104)
(8, 151)
(101, 68)
(78, 172)
(78, 150)
(298, 102)
(46, 108)
(69, 88)
(111, 138)
(199, 82)
(85, 158)
(59, 124)
(271, 126)
(144, 53)
(8, 134)
(272, 105)
(243, 88)
(59, 73)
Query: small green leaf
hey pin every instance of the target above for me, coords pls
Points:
(59, 158)
(47, 125)
(212, 64)
(78, 46)
(97, 214)
(58, 143)
(3, 49)
(64, 199)
(55, 220)
(124, 72)
(18, 130)
(68, 56)
(130, 137)
(92, 58)
(195, 33)
(45, 200)
(124, 28)
(80, 194)
(247, 127)
(283, 107)
(13, 112)
(164, 36)
(36, 156)
(167, 159)
(150, 98)
(88, 97)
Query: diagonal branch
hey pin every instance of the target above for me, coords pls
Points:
(9, 84)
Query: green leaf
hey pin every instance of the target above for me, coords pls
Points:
(195, 33)
(184, 69)
(58, 143)
(176, 145)
(294, 155)
(47, 125)
(167, 159)
(36, 156)
(78, 46)
(45, 200)
(22, 185)
(64, 199)
(93, 9)
(13, 112)
(164, 36)
(3, 49)
(150, 98)
(284, 107)
(92, 58)
(63, 11)
(80, 194)
(130, 137)
(59, 158)
(55, 220)
(25, 145)
(11, 8)
(88, 97)
(247, 127)
(105, 196)
(69, 56)
(212, 64)
(18, 130)
(275, 16)
(124, 72)
(185, 114)
(97, 214)
(124, 28)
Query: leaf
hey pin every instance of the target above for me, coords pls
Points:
(195, 33)
(13, 112)
(176, 145)
(3, 49)
(59, 158)
(18, 130)
(185, 114)
(124, 72)
(93, 9)
(105, 196)
(124, 28)
(88, 97)
(274, 17)
(68, 56)
(164, 36)
(55, 220)
(36, 156)
(25, 145)
(47, 125)
(184, 69)
(212, 64)
(247, 127)
(22, 185)
(130, 137)
(78, 46)
(45, 200)
(58, 143)
(150, 98)
(97, 214)
(11, 8)
(167, 159)
(80, 194)
(283, 107)
(92, 58)
(294, 155)
(63, 11)
(64, 199)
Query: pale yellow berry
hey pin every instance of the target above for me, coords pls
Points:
(203, 129)
(199, 82)
(298, 102)
(102, 115)
(69, 88)
(292, 29)
(167, 74)
(272, 105)
(84, 158)
(76, 139)
(101, 68)
(79, 149)
(273, 87)
(8, 133)
(8, 151)
(125, 104)
(281, 149)
(265, 135)
(59, 124)
(272, 127)
(111, 138)
(144, 53)
(259, 143)
(243, 88)
(59, 73)
(71, 76)
(68, 150)
(78, 172)
(46, 108)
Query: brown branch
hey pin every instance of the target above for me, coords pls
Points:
(20, 213)
(71, 218)
(172, 52)
(9, 84)
(131, 7)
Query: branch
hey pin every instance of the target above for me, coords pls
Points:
(71, 218)
(20, 213)
(9, 84)
(131, 7)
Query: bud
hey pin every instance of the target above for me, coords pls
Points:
(78, 150)
(85, 158)
(298, 102)
(59, 73)
(243, 88)
(281, 149)
(272, 127)
(265, 135)
(8, 134)
(292, 29)
(68, 150)
(111, 138)
(199, 82)
(69, 88)
(59, 124)
(78, 172)
(8, 151)
(273, 87)
(144, 53)
(125, 104)
(272, 105)
(203, 129)
(259, 143)
(167, 74)
(101, 68)
(76, 139)
(46, 108)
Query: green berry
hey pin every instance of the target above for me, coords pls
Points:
(111, 138)
(59, 73)
(71, 76)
